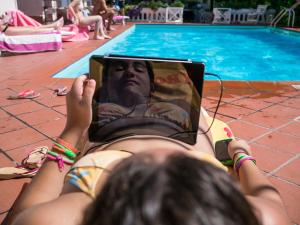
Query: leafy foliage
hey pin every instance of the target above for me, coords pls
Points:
(235, 4)
(155, 4)
(278, 5)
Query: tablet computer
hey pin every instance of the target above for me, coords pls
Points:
(145, 96)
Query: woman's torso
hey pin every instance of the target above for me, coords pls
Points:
(91, 173)
(79, 9)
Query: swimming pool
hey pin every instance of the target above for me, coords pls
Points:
(253, 53)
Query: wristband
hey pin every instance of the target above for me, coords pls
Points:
(55, 154)
(67, 145)
(239, 152)
(60, 148)
(240, 162)
(60, 161)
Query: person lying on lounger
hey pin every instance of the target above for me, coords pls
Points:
(27, 30)
(76, 9)
(144, 180)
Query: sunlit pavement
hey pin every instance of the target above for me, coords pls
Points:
(267, 115)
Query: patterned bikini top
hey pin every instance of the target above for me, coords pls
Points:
(88, 170)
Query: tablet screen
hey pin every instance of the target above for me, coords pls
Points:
(138, 96)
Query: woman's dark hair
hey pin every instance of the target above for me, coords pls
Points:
(179, 191)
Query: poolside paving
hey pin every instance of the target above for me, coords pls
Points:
(266, 114)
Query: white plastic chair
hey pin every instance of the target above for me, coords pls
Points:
(174, 14)
(222, 15)
(260, 12)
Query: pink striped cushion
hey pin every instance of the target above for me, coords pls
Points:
(31, 43)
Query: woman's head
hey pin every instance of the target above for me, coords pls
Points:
(128, 82)
(177, 190)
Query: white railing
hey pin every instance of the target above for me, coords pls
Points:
(240, 16)
(161, 15)
(291, 15)
(235, 16)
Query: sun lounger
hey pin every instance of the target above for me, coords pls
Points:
(120, 19)
(30, 43)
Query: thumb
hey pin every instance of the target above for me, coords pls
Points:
(88, 92)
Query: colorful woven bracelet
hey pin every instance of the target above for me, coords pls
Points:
(67, 145)
(68, 152)
(55, 154)
(240, 162)
(59, 159)
(239, 158)
(235, 154)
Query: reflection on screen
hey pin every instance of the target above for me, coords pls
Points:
(136, 97)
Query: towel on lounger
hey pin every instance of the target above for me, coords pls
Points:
(31, 43)
(120, 18)
(18, 18)
(80, 33)
(75, 33)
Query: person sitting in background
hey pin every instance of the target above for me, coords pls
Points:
(76, 9)
(100, 8)
(139, 181)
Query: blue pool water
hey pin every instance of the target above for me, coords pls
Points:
(234, 52)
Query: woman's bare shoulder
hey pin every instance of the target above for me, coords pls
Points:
(268, 211)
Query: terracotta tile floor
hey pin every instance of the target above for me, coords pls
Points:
(262, 113)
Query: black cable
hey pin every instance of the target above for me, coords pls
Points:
(215, 113)
(219, 101)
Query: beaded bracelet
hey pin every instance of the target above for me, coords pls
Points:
(60, 148)
(55, 154)
(241, 160)
(67, 145)
(235, 154)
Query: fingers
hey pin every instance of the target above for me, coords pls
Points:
(77, 87)
(83, 89)
(88, 92)
(241, 145)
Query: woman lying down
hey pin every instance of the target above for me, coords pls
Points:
(144, 180)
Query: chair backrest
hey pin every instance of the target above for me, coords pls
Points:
(222, 15)
(174, 14)
(261, 9)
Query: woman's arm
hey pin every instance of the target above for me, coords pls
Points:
(103, 6)
(72, 6)
(256, 186)
(45, 189)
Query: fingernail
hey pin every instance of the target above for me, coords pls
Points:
(91, 82)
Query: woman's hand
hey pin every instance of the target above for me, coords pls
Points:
(240, 146)
(79, 104)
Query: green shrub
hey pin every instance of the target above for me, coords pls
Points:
(177, 3)
(278, 5)
(154, 5)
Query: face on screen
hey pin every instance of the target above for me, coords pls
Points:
(143, 97)
(128, 82)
